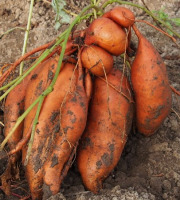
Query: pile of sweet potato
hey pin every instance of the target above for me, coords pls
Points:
(90, 111)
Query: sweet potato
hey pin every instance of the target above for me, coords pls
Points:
(73, 116)
(121, 15)
(14, 107)
(107, 34)
(39, 82)
(109, 122)
(151, 87)
(98, 61)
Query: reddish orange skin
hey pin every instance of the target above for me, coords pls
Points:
(109, 122)
(97, 60)
(51, 148)
(150, 83)
(39, 82)
(100, 33)
(73, 116)
(14, 107)
(121, 15)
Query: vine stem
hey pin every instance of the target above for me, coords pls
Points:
(50, 88)
(9, 84)
(142, 8)
(39, 60)
(26, 36)
(10, 30)
(33, 130)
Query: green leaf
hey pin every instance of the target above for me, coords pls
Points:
(65, 18)
(61, 16)
(57, 25)
(176, 21)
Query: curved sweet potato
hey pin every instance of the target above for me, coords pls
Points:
(39, 82)
(121, 15)
(73, 116)
(151, 87)
(14, 107)
(109, 122)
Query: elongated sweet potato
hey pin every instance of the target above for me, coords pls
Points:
(151, 87)
(14, 107)
(39, 82)
(109, 122)
(48, 160)
(73, 116)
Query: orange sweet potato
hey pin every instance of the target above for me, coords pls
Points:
(121, 15)
(59, 127)
(73, 116)
(109, 122)
(14, 107)
(97, 60)
(151, 87)
(107, 34)
(39, 82)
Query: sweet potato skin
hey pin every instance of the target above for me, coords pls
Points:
(14, 107)
(100, 33)
(51, 148)
(109, 122)
(39, 82)
(98, 61)
(150, 83)
(73, 116)
(121, 15)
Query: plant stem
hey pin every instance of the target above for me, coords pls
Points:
(9, 84)
(10, 30)
(33, 130)
(95, 15)
(69, 12)
(26, 35)
(142, 8)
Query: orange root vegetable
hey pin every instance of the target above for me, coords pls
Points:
(150, 83)
(109, 122)
(98, 61)
(121, 15)
(73, 116)
(39, 82)
(88, 85)
(100, 33)
(14, 107)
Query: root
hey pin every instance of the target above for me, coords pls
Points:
(68, 163)
(21, 143)
(111, 85)
(172, 38)
(174, 90)
(25, 56)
